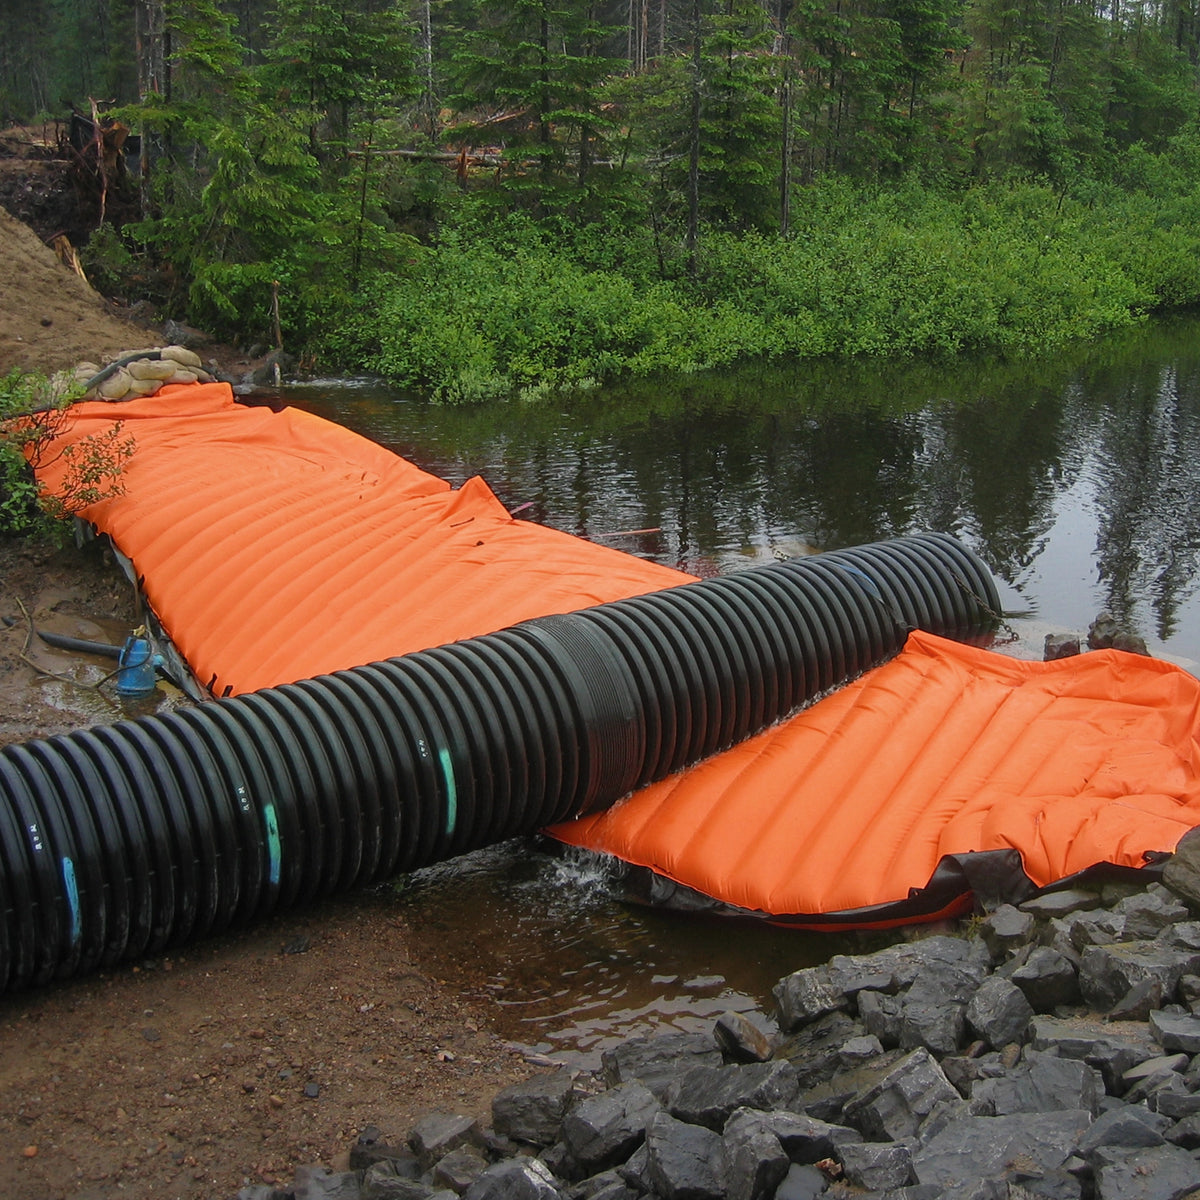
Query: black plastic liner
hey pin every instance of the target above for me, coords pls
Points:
(117, 842)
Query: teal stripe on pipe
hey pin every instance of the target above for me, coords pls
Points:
(68, 874)
(272, 842)
(451, 791)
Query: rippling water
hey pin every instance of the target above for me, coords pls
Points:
(569, 969)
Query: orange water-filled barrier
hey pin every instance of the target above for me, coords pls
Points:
(946, 750)
(277, 547)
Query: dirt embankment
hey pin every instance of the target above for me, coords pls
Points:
(232, 1061)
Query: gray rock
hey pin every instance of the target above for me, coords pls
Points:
(1148, 913)
(943, 980)
(917, 1191)
(1176, 1031)
(881, 1016)
(683, 1161)
(1060, 645)
(815, 1050)
(976, 1148)
(1128, 1127)
(1112, 1048)
(1047, 979)
(1183, 935)
(854, 973)
(1060, 903)
(437, 1133)
(1174, 1103)
(1050, 1185)
(1154, 1066)
(606, 1186)
(371, 1147)
(708, 1095)
(1149, 1088)
(1185, 1133)
(514, 1179)
(1041, 1083)
(278, 366)
(1102, 631)
(804, 1139)
(859, 1050)
(825, 1101)
(801, 1183)
(381, 1182)
(1160, 1173)
(1139, 1002)
(894, 1107)
(187, 336)
(755, 1163)
(878, 1165)
(533, 1109)
(944, 1113)
(913, 961)
(459, 1169)
(1131, 643)
(1005, 929)
(320, 1183)
(636, 1172)
(805, 995)
(740, 1039)
(938, 1026)
(604, 1130)
(999, 1013)
(1057, 938)
(964, 1071)
(1181, 872)
(1100, 927)
(654, 1062)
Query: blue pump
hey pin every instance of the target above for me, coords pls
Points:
(137, 667)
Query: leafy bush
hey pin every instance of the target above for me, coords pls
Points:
(31, 414)
(505, 308)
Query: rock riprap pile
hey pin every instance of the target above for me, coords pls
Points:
(1047, 1051)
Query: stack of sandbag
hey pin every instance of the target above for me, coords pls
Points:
(140, 373)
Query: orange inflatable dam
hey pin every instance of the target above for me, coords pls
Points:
(947, 769)
(282, 553)
(276, 546)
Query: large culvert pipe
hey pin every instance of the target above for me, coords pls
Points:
(119, 841)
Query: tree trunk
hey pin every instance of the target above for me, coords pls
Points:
(693, 225)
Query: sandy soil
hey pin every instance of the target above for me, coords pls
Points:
(235, 1060)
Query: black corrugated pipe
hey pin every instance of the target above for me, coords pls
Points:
(118, 841)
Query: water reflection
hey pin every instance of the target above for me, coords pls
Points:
(1075, 479)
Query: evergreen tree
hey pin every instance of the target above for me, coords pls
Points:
(530, 76)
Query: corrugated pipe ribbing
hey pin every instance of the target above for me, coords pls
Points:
(118, 841)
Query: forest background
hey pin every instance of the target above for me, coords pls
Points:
(489, 199)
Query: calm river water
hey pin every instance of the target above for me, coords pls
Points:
(1077, 480)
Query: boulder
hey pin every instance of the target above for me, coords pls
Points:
(532, 1110)
(655, 1062)
(708, 1095)
(1159, 1173)
(604, 1130)
(999, 1012)
(894, 1107)
(684, 1161)
(980, 1148)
